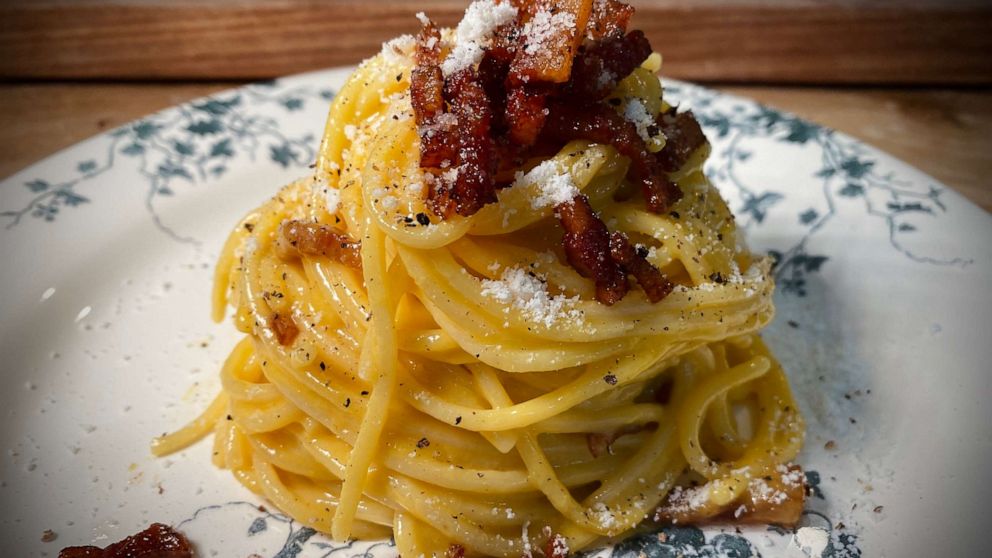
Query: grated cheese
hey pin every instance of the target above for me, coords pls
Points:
(474, 33)
(638, 115)
(543, 27)
(812, 541)
(603, 516)
(554, 187)
(399, 50)
(333, 199)
(527, 292)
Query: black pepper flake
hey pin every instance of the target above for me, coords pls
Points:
(423, 443)
(458, 420)
(347, 402)
(399, 76)
(365, 392)
(717, 278)
(229, 417)
(793, 324)
(323, 366)
(643, 251)
(423, 219)
(610, 379)
(249, 227)
(673, 214)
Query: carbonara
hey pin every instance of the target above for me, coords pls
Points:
(544, 338)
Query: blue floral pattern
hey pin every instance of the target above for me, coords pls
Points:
(194, 143)
(846, 170)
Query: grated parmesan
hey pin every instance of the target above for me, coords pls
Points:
(333, 198)
(399, 50)
(602, 515)
(554, 187)
(527, 292)
(474, 33)
(812, 541)
(543, 27)
(638, 115)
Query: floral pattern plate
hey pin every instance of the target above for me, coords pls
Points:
(107, 252)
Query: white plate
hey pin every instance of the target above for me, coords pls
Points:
(108, 248)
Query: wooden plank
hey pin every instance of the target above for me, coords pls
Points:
(945, 133)
(771, 41)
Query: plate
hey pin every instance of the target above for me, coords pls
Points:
(107, 253)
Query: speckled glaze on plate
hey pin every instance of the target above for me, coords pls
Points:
(106, 255)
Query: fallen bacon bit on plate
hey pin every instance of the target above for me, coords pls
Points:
(157, 541)
(556, 547)
(777, 498)
(299, 238)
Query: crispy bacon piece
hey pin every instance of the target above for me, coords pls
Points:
(654, 282)
(606, 258)
(313, 239)
(599, 67)
(427, 98)
(525, 114)
(775, 499)
(602, 124)
(284, 329)
(534, 89)
(455, 551)
(684, 136)
(608, 18)
(157, 541)
(473, 184)
(587, 247)
(492, 76)
(556, 547)
(552, 32)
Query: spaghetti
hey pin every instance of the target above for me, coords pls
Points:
(452, 379)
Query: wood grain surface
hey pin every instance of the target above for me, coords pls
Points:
(946, 133)
(770, 41)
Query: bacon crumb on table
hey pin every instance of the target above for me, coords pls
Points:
(157, 541)
(530, 79)
(776, 498)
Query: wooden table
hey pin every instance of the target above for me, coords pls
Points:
(912, 77)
